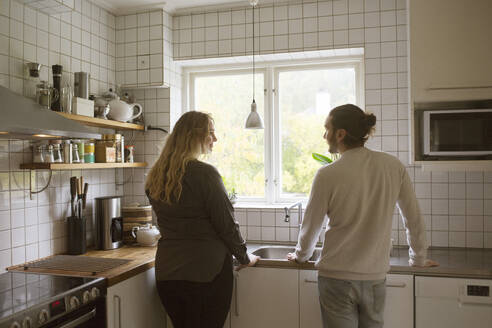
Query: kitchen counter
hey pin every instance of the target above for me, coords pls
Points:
(454, 262)
(142, 259)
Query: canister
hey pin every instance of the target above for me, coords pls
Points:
(89, 150)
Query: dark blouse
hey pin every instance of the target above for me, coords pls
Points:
(198, 231)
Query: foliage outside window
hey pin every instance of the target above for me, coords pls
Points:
(274, 164)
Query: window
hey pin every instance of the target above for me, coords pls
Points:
(274, 164)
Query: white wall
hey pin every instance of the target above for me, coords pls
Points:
(82, 40)
(457, 206)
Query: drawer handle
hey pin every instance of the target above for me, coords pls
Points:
(309, 281)
(396, 284)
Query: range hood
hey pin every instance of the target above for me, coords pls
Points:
(23, 118)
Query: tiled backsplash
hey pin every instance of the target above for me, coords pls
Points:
(456, 206)
(80, 40)
(33, 228)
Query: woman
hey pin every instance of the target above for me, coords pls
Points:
(196, 219)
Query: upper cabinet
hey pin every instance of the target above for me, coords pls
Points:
(450, 50)
(143, 49)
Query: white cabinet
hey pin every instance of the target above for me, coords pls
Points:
(309, 308)
(265, 298)
(452, 302)
(398, 310)
(143, 49)
(450, 50)
(135, 303)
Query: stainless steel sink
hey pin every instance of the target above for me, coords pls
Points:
(280, 253)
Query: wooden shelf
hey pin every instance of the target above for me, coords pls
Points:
(102, 123)
(85, 166)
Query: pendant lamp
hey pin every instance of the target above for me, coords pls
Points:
(254, 120)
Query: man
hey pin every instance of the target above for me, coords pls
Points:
(358, 193)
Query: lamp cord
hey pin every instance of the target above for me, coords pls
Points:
(253, 53)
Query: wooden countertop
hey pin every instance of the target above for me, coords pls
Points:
(142, 259)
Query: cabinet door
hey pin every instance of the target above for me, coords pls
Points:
(310, 313)
(135, 303)
(265, 298)
(398, 311)
(453, 302)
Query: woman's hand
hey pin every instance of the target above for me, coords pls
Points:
(292, 257)
(253, 259)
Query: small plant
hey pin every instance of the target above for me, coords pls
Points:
(323, 159)
(232, 196)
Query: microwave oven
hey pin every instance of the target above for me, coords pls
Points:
(457, 133)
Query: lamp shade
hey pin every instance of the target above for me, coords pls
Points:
(254, 120)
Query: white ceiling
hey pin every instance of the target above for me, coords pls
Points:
(120, 7)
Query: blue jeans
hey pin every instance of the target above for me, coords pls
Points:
(351, 303)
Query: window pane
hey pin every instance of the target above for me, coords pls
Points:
(305, 99)
(238, 153)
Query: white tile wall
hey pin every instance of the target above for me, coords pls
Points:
(456, 206)
(82, 39)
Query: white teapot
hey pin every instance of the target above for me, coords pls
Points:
(123, 112)
(147, 235)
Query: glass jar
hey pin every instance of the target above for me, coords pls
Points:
(57, 155)
(49, 158)
(37, 156)
(80, 149)
(116, 141)
(67, 151)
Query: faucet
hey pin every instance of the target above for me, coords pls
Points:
(299, 209)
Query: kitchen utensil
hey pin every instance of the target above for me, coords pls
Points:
(146, 236)
(73, 193)
(33, 69)
(84, 196)
(123, 112)
(81, 84)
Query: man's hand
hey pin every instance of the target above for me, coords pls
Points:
(292, 257)
(253, 259)
(427, 263)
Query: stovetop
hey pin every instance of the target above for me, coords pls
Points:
(20, 291)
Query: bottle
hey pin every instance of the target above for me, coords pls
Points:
(57, 75)
(75, 154)
(80, 148)
(67, 151)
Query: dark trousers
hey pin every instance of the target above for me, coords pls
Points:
(198, 304)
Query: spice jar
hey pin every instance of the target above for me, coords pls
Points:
(89, 150)
(57, 155)
(129, 153)
(49, 158)
(37, 156)
(67, 151)
(80, 149)
(75, 154)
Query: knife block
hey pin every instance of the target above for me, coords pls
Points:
(76, 235)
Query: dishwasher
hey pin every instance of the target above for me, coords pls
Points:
(452, 302)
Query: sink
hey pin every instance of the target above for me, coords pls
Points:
(280, 253)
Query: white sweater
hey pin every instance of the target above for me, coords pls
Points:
(358, 193)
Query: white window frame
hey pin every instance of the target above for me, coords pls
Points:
(271, 72)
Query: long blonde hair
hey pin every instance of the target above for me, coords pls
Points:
(184, 144)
